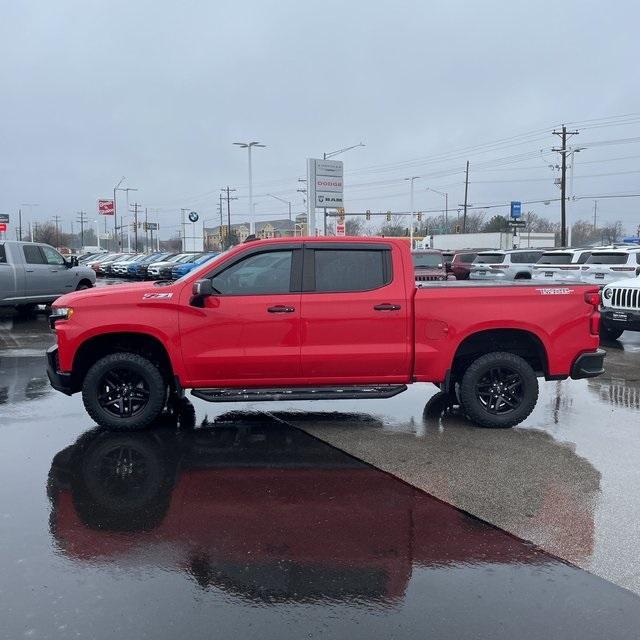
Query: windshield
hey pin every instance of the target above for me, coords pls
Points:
(427, 260)
(489, 258)
(608, 258)
(555, 258)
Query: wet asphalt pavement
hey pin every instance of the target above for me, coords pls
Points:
(253, 524)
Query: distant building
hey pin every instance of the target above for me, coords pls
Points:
(281, 228)
(275, 228)
(215, 237)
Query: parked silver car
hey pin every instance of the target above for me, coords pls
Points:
(32, 273)
(508, 264)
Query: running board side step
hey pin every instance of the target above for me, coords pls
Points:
(300, 393)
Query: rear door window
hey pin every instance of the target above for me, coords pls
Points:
(344, 270)
(3, 255)
(32, 254)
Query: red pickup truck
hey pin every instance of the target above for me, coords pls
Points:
(319, 318)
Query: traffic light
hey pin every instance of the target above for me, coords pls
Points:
(368, 215)
(388, 216)
(419, 216)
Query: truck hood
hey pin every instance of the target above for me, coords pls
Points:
(114, 293)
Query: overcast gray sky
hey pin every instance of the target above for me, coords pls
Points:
(158, 91)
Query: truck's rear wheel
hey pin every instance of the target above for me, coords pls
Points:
(499, 390)
(124, 391)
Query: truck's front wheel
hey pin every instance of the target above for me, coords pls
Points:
(124, 391)
(499, 390)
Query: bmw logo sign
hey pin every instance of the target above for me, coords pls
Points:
(193, 216)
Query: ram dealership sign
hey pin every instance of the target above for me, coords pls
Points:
(325, 180)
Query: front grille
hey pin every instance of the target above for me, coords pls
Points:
(625, 298)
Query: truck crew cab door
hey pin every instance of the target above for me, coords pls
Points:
(60, 279)
(249, 333)
(36, 271)
(355, 315)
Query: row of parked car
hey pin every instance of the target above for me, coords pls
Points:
(143, 266)
(593, 265)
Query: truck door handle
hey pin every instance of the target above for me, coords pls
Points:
(387, 307)
(280, 308)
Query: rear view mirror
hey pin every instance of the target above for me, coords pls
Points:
(203, 288)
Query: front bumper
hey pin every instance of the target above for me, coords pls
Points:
(589, 365)
(59, 381)
(627, 319)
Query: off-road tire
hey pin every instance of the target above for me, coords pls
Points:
(474, 407)
(137, 364)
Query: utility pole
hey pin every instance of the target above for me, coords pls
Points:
(228, 198)
(135, 226)
(563, 134)
(56, 219)
(82, 218)
(595, 215)
(466, 193)
(146, 230)
(20, 225)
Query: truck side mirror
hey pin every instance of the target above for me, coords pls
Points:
(202, 288)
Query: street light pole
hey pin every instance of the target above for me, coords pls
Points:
(288, 202)
(446, 206)
(332, 154)
(248, 146)
(412, 179)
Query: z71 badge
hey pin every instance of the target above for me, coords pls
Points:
(157, 296)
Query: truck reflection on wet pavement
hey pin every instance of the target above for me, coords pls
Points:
(254, 512)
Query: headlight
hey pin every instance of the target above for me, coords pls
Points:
(608, 293)
(61, 313)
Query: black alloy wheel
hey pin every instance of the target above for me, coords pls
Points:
(500, 390)
(122, 392)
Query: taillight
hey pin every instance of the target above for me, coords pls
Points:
(499, 266)
(570, 268)
(585, 268)
(594, 324)
(592, 298)
(623, 268)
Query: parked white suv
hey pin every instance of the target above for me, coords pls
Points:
(608, 265)
(620, 308)
(560, 265)
(511, 264)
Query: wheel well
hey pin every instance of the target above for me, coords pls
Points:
(523, 275)
(85, 281)
(517, 341)
(142, 344)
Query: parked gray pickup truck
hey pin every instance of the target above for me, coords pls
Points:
(32, 273)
